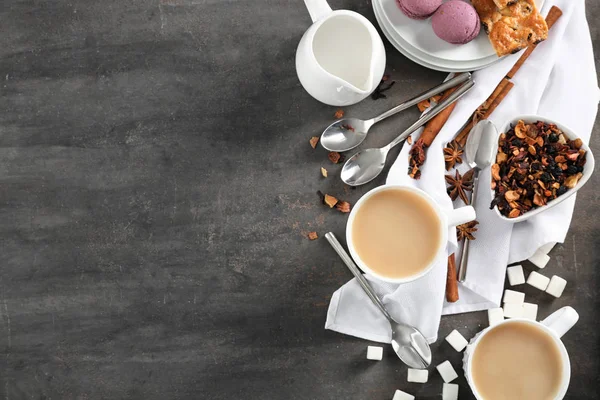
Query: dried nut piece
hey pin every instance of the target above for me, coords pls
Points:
(313, 141)
(514, 213)
(330, 201)
(339, 114)
(512, 195)
(496, 172)
(343, 206)
(324, 172)
(313, 235)
(334, 157)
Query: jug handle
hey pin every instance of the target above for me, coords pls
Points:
(317, 9)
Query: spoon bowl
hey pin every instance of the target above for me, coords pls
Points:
(345, 134)
(364, 166)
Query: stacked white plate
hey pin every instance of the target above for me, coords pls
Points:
(416, 40)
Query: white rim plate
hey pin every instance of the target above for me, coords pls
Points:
(422, 58)
(420, 36)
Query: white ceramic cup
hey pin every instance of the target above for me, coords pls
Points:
(555, 326)
(448, 219)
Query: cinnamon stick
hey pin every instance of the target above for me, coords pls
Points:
(432, 128)
(553, 15)
(461, 138)
(451, 280)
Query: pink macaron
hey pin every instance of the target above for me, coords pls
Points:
(418, 9)
(456, 22)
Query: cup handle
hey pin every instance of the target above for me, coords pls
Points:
(560, 321)
(460, 216)
(317, 9)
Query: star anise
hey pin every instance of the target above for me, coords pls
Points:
(465, 231)
(458, 185)
(453, 154)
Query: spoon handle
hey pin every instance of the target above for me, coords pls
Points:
(461, 91)
(450, 83)
(464, 257)
(337, 246)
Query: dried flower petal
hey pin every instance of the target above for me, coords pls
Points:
(313, 141)
(334, 157)
(343, 206)
(313, 235)
(330, 200)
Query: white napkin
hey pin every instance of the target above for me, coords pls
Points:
(558, 81)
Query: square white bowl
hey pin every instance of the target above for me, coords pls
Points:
(588, 168)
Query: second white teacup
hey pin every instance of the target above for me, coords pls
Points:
(398, 233)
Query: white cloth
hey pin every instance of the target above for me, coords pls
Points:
(558, 81)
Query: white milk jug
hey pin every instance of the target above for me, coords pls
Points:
(340, 59)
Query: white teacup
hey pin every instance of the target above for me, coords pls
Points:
(556, 325)
(448, 219)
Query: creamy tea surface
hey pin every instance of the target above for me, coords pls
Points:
(517, 361)
(396, 233)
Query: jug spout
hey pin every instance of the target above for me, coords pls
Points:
(317, 9)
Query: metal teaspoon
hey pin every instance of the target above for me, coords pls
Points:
(409, 344)
(339, 137)
(366, 165)
(479, 152)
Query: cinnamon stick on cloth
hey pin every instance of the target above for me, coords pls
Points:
(451, 280)
(432, 128)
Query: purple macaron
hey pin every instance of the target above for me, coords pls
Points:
(418, 9)
(456, 22)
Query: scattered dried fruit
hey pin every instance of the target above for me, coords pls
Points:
(347, 127)
(339, 114)
(313, 235)
(409, 140)
(465, 231)
(324, 172)
(535, 164)
(458, 185)
(343, 206)
(452, 154)
(334, 157)
(313, 141)
(383, 87)
(330, 201)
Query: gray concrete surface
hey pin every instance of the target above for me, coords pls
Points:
(156, 185)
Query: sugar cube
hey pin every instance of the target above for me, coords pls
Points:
(547, 247)
(374, 353)
(530, 311)
(539, 259)
(556, 286)
(512, 297)
(495, 315)
(450, 391)
(512, 310)
(515, 275)
(457, 340)
(538, 280)
(447, 372)
(400, 395)
(418, 375)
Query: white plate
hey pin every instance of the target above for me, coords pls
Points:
(419, 35)
(421, 58)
